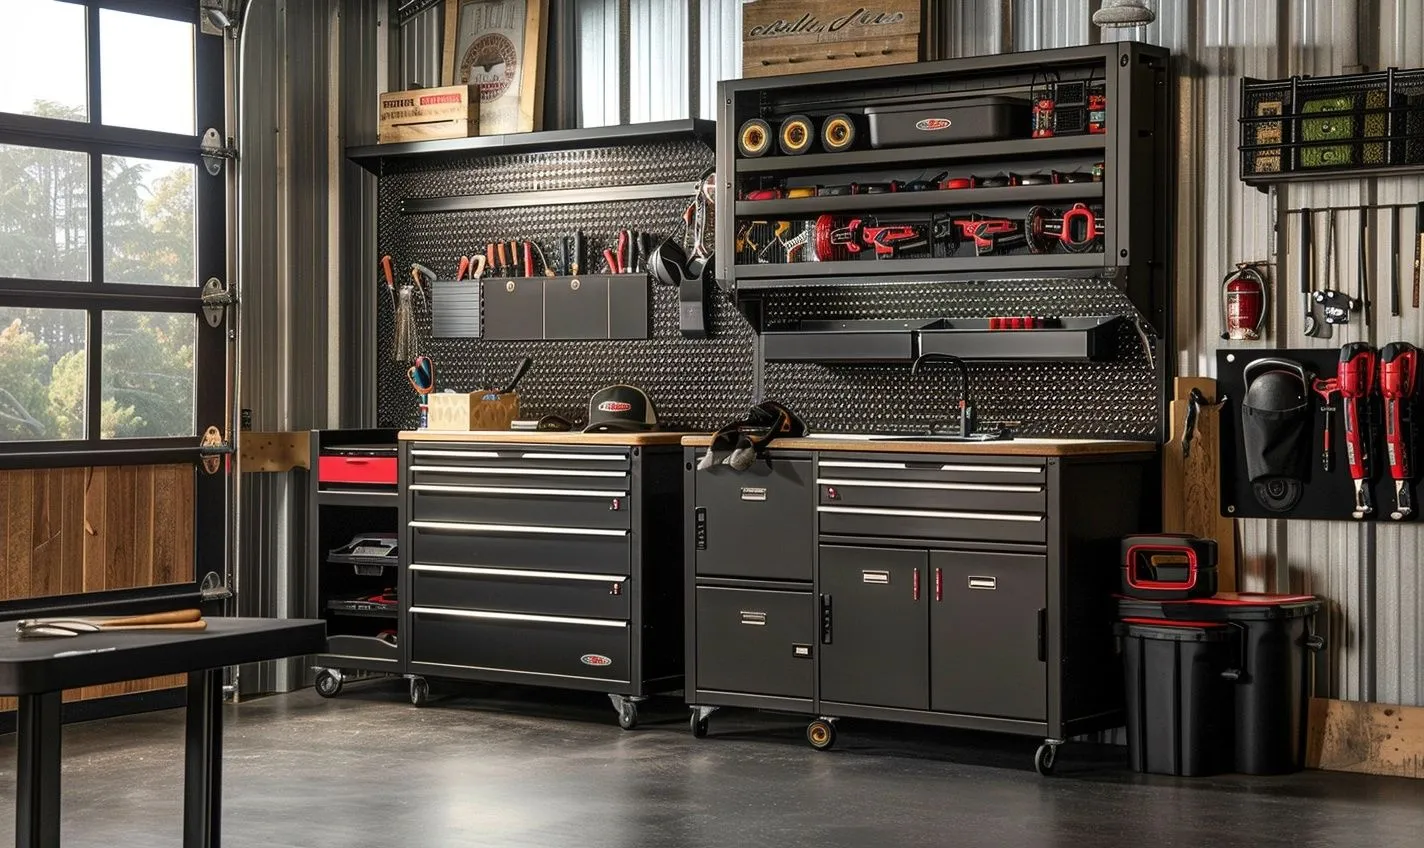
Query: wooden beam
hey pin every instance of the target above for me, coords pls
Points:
(1191, 486)
(1366, 738)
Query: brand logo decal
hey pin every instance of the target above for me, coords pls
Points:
(615, 406)
(933, 124)
(595, 660)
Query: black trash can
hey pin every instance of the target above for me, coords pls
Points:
(1177, 678)
(1272, 691)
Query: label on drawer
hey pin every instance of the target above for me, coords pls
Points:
(598, 660)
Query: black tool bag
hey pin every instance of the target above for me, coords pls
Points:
(1275, 425)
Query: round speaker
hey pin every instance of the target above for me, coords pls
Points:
(838, 133)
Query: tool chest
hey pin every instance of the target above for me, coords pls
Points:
(539, 563)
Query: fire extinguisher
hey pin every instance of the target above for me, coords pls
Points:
(1243, 303)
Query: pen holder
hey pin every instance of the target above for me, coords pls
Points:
(465, 411)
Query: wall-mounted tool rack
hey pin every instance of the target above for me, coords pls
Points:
(1336, 127)
(842, 198)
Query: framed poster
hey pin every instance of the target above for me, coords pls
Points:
(498, 45)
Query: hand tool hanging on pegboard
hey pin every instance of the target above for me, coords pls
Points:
(1327, 389)
(1362, 280)
(1399, 370)
(1356, 378)
(1418, 250)
(1335, 305)
(1306, 266)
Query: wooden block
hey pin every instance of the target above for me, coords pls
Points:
(272, 452)
(1365, 738)
(422, 114)
(463, 412)
(799, 36)
(1191, 485)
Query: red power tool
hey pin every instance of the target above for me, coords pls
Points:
(1356, 377)
(1399, 366)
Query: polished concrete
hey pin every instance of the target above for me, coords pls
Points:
(512, 767)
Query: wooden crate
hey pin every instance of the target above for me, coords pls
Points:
(800, 36)
(422, 114)
(463, 412)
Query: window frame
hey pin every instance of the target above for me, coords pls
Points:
(94, 296)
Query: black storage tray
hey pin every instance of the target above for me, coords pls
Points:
(1093, 338)
(948, 121)
(842, 341)
(347, 606)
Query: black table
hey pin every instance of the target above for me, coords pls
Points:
(39, 670)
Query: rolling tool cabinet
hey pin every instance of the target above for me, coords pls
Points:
(549, 559)
(949, 584)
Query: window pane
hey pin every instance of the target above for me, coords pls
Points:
(44, 213)
(43, 59)
(42, 374)
(148, 222)
(146, 375)
(146, 72)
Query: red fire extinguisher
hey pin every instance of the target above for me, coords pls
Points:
(1243, 303)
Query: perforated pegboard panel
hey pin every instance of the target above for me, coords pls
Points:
(1114, 399)
(696, 384)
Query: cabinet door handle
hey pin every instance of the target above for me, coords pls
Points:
(990, 583)
(1043, 635)
(916, 592)
(939, 584)
(825, 619)
(876, 576)
(755, 619)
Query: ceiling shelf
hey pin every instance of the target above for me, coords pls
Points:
(855, 160)
(966, 198)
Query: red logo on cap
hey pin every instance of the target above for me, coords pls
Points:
(615, 406)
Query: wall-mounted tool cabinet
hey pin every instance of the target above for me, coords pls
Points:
(546, 559)
(963, 586)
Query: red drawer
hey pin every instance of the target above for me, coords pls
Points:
(380, 470)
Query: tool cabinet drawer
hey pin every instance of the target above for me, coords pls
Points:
(951, 525)
(755, 641)
(926, 494)
(521, 467)
(365, 470)
(1003, 470)
(531, 505)
(559, 593)
(756, 523)
(583, 550)
(566, 647)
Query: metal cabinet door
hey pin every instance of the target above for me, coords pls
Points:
(755, 641)
(986, 645)
(756, 524)
(875, 611)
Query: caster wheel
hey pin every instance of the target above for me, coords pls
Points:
(1044, 759)
(821, 734)
(627, 715)
(419, 692)
(328, 684)
(699, 726)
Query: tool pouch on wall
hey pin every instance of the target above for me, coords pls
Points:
(1276, 428)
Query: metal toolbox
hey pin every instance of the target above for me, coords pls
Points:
(524, 505)
(572, 648)
(743, 521)
(760, 642)
(948, 121)
(515, 546)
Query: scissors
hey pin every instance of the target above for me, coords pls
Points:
(422, 375)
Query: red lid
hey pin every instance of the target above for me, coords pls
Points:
(1253, 599)
(1175, 622)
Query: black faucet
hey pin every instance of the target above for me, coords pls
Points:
(966, 406)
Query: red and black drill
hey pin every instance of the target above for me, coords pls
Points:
(1399, 367)
(1356, 378)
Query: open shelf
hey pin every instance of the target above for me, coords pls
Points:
(967, 263)
(373, 157)
(856, 160)
(965, 198)
(882, 341)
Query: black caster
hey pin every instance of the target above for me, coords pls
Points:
(419, 692)
(1045, 757)
(698, 725)
(328, 683)
(628, 715)
(821, 733)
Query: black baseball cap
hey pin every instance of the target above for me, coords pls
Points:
(620, 408)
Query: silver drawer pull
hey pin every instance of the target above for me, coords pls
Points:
(510, 490)
(983, 582)
(847, 463)
(997, 469)
(882, 577)
(753, 493)
(517, 617)
(577, 457)
(849, 483)
(476, 571)
(926, 513)
(456, 454)
(513, 472)
(463, 527)
(755, 619)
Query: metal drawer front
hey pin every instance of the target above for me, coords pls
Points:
(1012, 471)
(493, 474)
(553, 593)
(583, 550)
(923, 494)
(934, 524)
(566, 647)
(522, 456)
(756, 642)
(547, 505)
(756, 523)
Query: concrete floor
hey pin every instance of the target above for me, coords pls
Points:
(510, 767)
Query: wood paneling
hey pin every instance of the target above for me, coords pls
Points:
(70, 530)
(1191, 502)
(1366, 738)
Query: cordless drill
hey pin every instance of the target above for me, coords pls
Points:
(1356, 377)
(1399, 365)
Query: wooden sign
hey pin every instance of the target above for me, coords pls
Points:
(798, 36)
(428, 113)
(498, 45)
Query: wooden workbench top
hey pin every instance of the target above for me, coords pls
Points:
(535, 437)
(1009, 447)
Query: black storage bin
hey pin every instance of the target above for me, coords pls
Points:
(1273, 690)
(1168, 566)
(1179, 698)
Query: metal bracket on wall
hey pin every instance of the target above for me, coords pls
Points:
(215, 152)
(213, 447)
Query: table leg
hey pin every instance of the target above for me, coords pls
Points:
(202, 787)
(37, 792)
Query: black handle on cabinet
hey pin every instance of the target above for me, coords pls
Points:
(1043, 635)
(700, 527)
(825, 619)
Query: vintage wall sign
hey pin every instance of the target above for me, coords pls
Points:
(797, 36)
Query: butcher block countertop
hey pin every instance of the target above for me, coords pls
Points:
(1006, 447)
(535, 437)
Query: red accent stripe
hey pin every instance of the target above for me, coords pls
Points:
(1168, 622)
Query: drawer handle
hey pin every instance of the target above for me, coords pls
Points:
(461, 527)
(918, 484)
(511, 490)
(881, 577)
(939, 584)
(926, 513)
(996, 469)
(846, 463)
(513, 472)
(514, 572)
(990, 583)
(352, 460)
(754, 619)
(457, 454)
(518, 618)
(578, 457)
(753, 493)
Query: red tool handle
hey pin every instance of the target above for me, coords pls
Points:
(1356, 376)
(464, 268)
(503, 258)
(1399, 369)
(885, 239)
(528, 259)
(611, 260)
